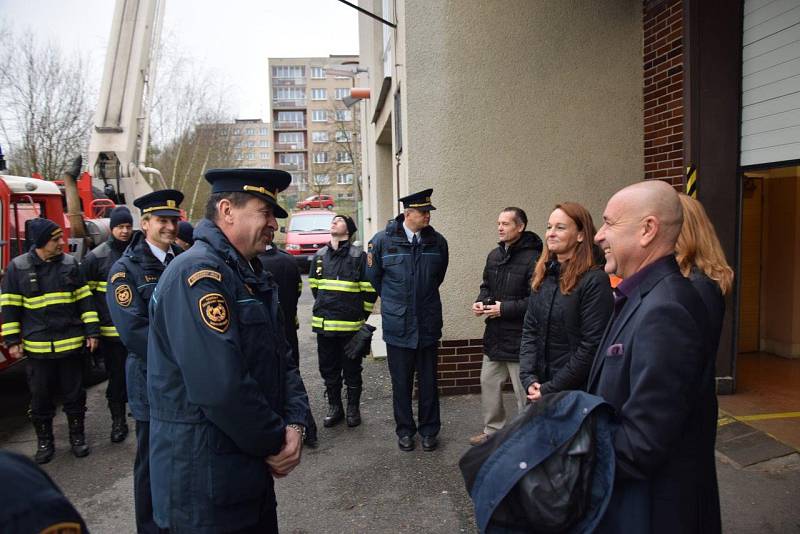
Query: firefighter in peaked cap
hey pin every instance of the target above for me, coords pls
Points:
(227, 404)
(406, 264)
(48, 314)
(131, 281)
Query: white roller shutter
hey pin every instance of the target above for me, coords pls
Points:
(770, 81)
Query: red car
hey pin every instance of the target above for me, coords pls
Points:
(316, 201)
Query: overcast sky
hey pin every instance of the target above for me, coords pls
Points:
(233, 38)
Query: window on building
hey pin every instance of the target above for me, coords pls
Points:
(344, 115)
(289, 93)
(322, 179)
(344, 178)
(343, 137)
(319, 94)
(250, 131)
(223, 131)
(291, 138)
(290, 118)
(343, 157)
(263, 131)
(288, 71)
(263, 143)
(341, 92)
(344, 196)
(238, 156)
(320, 157)
(237, 144)
(251, 155)
(298, 179)
(319, 115)
(318, 72)
(319, 137)
(236, 131)
(251, 144)
(292, 159)
(265, 155)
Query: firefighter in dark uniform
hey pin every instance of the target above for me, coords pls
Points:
(95, 267)
(343, 300)
(286, 274)
(406, 264)
(48, 313)
(131, 282)
(32, 502)
(227, 404)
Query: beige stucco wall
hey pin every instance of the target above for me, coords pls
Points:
(517, 102)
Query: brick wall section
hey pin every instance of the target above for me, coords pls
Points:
(663, 90)
(460, 366)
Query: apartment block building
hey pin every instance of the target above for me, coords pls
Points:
(315, 135)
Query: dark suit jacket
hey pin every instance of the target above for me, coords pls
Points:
(652, 367)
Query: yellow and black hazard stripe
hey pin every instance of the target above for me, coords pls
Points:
(691, 181)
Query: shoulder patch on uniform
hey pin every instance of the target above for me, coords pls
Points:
(150, 278)
(123, 295)
(214, 312)
(205, 273)
(63, 528)
(117, 276)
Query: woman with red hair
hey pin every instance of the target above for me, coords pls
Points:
(569, 306)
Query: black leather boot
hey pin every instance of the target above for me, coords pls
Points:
(45, 445)
(335, 408)
(353, 412)
(119, 424)
(77, 437)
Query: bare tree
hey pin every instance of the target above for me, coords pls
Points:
(348, 147)
(46, 115)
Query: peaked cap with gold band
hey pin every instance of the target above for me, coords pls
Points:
(263, 183)
(164, 203)
(420, 201)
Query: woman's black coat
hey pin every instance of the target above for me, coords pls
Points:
(561, 332)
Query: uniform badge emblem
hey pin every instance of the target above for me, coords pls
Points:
(117, 276)
(123, 295)
(369, 259)
(214, 312)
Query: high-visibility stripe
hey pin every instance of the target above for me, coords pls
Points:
(339, 285)
(10, 299)
(10, 328)
(313, 282)
(109, 331)
(97, 285)
(329, 325)
(367, 287)
(90, 317)
(368, 306)
(82, 292)
(61, 345)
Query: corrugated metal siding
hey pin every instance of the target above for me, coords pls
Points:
(770, 81)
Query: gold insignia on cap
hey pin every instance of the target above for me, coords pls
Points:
(170, 203)
(117, 276)
(63, 528)
(214, 312)
(261, 190)
(123, 295)
(205, 273)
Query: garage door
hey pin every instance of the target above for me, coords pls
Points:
(770, 82)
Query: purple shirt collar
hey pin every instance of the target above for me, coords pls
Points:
(627, 286)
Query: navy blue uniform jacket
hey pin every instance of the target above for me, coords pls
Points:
(408, 281)
(130, 285)
(222, 387)
(652, 367)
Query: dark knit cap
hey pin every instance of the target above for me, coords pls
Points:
(43, 230)
(351, 225)
(185, 232)
(120, 215)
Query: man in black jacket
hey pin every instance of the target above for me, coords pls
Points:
(502, 301)
(286, 274)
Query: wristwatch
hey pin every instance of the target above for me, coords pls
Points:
(300, 429)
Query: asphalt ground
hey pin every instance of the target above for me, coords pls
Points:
(357, 480)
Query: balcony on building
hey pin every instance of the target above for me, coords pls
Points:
(291, 103)
(289, 125)
(289, 147)
(291, 167)
(296, 81)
